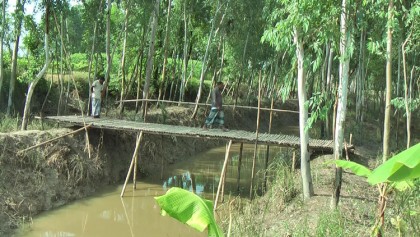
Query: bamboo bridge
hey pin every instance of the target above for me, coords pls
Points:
(315, 145)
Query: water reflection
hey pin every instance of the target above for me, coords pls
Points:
(137, 214)
(186, 181)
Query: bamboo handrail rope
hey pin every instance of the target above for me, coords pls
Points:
(54, 139)
(205, 104)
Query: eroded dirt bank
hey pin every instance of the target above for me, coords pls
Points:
(62, 171)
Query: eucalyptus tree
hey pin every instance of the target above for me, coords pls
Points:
(18, 18)
(2, 33)
(212, 32)
(299, 20)
(165, 49)
(244, 53)
(149, 65)
(122, 69)
(345, 54)
(93, 47)
(387, 123)
(41, 73)
(412, 37)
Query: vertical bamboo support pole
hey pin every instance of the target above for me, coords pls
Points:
(136, 150)
(256, 139)
(241, 148)
(221, 175)
(135, 157)
(222, 192)
(162, 165)
(294, 160)
(267, 154)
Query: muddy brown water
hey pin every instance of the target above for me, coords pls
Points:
(136, 214)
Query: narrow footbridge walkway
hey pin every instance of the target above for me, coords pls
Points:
(325, 146)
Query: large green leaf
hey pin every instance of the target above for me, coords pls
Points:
(356, 168)
(190, 209)
(401, 167)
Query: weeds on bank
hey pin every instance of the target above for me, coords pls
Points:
(252, 218)
(11, 124)
(8, 124)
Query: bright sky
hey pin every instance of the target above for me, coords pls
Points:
(29, 7)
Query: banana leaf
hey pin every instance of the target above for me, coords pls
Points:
(401, 167)
(356, 168)
(190, 209)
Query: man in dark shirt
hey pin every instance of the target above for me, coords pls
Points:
(216, 116)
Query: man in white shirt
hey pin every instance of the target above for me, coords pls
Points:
(97, 90)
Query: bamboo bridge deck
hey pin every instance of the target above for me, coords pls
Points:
(183, 131)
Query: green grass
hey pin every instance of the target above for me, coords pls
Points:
(11, 124)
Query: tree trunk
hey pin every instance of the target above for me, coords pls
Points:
(308, 190)
(123, 84)
(387, 119)
(360, 78)
(165, 48)
(407, 93)
(41, 73)
(204, 65)
(241, 74)
(60, 77)
(108, 50)
(149, 66)
(92, 55)
(185, 61)
(3, 25)
(13, 75)
(342, 99)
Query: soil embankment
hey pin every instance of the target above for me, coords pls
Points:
(62, 171)
(73, 167)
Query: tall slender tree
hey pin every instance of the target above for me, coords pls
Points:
(108, 45)
(308, 190)
(342, 97)
(165, 50)
(40, 74)
(19, 12)
(123, 57)
(387, 122)
(2, 32)
(150, 58)
(204, 63)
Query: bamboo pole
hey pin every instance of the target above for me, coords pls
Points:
(239, 164)
(221, 175)
(293, 161)
(205, 104)
(256, 139)
(135, 168)
(132, 162)
(54, 139)
(162, 165)
(223, 181)
(267, 154)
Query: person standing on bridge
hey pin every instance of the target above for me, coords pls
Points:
(216, 115)
(97, 90)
